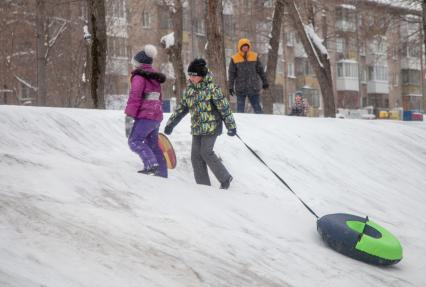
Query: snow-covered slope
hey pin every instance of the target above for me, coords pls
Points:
(74, 212)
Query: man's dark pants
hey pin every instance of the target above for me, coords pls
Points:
(254, 101)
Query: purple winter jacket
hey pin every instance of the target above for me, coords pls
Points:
(145, 83)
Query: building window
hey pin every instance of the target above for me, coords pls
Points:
(200, 28)
(290, 70)
(146, 19)
(364, 75)
(370, 20)
(345, 18)
(395, 79)
(291, 38)
(117, 47)
(228, 8)
(308, 68)
(268, 4)
(351, 70)
(247, 4)
(302, 67)
(382, 47)
(340, 70)
(347, 70)
(410, 50)
(340, 45)
(395, 53)
(410, 77)
(362, 49)
(25, 92)
(379, 46)
(84, 10)
(228, 23)
(118, 9)
(165, 20)
(280, 68)
(378, 73)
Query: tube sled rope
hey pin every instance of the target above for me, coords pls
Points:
(354, 236)
(360, 238)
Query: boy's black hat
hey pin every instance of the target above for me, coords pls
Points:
(198, 67)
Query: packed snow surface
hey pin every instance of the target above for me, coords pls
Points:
(74, 211)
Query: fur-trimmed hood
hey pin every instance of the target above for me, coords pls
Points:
(149, 75)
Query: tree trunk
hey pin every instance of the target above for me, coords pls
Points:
(97, 59)
(319, 61)
(358, 57)
(215, 46)
(42, 42)
(310, 12)
(286, 62)
(424, 40)
(271, 66)
(175, 51)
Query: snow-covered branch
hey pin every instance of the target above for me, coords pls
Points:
(315, 39)
(168, 40)
(308, 36)
(24, 53)
(171, 5)
(55, 37)
(26, 83)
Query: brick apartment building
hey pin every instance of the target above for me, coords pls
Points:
(376, 50)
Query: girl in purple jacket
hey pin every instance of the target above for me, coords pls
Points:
(145, 107)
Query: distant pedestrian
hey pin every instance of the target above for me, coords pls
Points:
(208, 107)
(300, 106)
(246, 77)
(145, 107)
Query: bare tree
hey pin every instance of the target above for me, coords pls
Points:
(318, 58)
(215, 38)
(424, 41)
(174, 50)
(98, 48)
(42, 39)
(271, 66)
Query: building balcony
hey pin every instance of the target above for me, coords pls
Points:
(117, 66)
(299, 51)
(347, 84)
(410, 63)
(117, 27)
(347, 75)
(411, 89)
(378, 87)
(376, 59)
(345, 26)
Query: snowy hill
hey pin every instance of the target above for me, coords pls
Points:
(74, 212)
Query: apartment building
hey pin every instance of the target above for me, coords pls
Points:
(376, 50)
(376, 55)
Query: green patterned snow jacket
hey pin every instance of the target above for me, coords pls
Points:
(207, 106)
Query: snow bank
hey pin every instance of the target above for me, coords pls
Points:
(74, 212)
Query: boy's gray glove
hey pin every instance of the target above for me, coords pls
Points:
(168, 130)
(232, 132)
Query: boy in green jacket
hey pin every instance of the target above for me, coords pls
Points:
(208, 107)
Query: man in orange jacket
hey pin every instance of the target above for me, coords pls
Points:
(245, 69)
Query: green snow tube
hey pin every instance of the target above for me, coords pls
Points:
(360, 238)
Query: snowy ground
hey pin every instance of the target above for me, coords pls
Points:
(74, 212)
